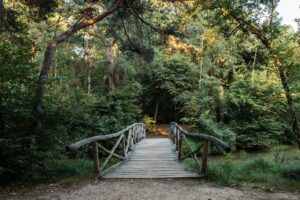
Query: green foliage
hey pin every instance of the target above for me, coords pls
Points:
(148, 122)
(259, 172)
(17, 79)
(213, 75)
(254, 109)
(220, 131)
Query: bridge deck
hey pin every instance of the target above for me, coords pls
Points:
(152, 158)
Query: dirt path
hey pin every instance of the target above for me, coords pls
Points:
(153, 189)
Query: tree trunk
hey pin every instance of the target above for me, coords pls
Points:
(219, 107)
(1, 14)
(48, 57)
(289, 97)
(51, 48)
(260, 34)
(111, 57)
(89, 80)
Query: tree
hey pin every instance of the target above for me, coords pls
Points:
(246, 15)
(80, 24)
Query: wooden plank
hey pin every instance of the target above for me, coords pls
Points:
(152, 158)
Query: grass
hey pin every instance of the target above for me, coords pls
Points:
(66, 171)
(277, 169)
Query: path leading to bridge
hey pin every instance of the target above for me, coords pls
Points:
(148, 189)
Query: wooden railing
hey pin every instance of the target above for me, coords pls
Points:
(179, 136)
(125, 140)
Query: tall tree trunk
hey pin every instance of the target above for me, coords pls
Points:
(112, 58)
(289, 97)
(89, 80)
(1, 14)
(253, 66)
(52, 46)
(219, 108)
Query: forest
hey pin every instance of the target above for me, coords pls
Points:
(72, 69)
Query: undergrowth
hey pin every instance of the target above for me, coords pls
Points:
(277, 172)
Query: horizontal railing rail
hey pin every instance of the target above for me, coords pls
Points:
(125, 141)
(179, 136)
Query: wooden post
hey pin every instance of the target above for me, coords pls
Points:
(124, 146)
(204, 156)
(129, 139)
(139, 133)
(96, 158)
(175, 137)
(134, 134)
(179, 144)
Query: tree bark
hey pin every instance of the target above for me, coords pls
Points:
(112, 58)
(52, 46)
(1, 14)
(219, 107)
(289, 97)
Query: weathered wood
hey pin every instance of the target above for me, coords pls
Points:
(204, 156)
(124, 147)
(96, 158)
(110, 155)
(128, 142)
(179, 145)
(109, 152)
(152, 158)
(129, 136)
(191, 153)
(131, 140)
(176, 138)
(80, 143)
(191, 150)
(210, 138)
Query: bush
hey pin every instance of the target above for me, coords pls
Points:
(207, 126)
(261, 172)
(291, 171)
(253, 110)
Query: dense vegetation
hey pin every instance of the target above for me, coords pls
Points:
(77, 68)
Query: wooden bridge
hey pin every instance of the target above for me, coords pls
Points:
(135, 156)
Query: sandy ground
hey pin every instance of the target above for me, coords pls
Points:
(148, 189)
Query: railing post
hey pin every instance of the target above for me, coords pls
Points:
(175, 136)
(130, 136)
(179, 145)
(172, 133)
(124, 146)
(139, 133)
(204, 156)
(96, 158)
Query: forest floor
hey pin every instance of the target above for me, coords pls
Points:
(144, 189)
